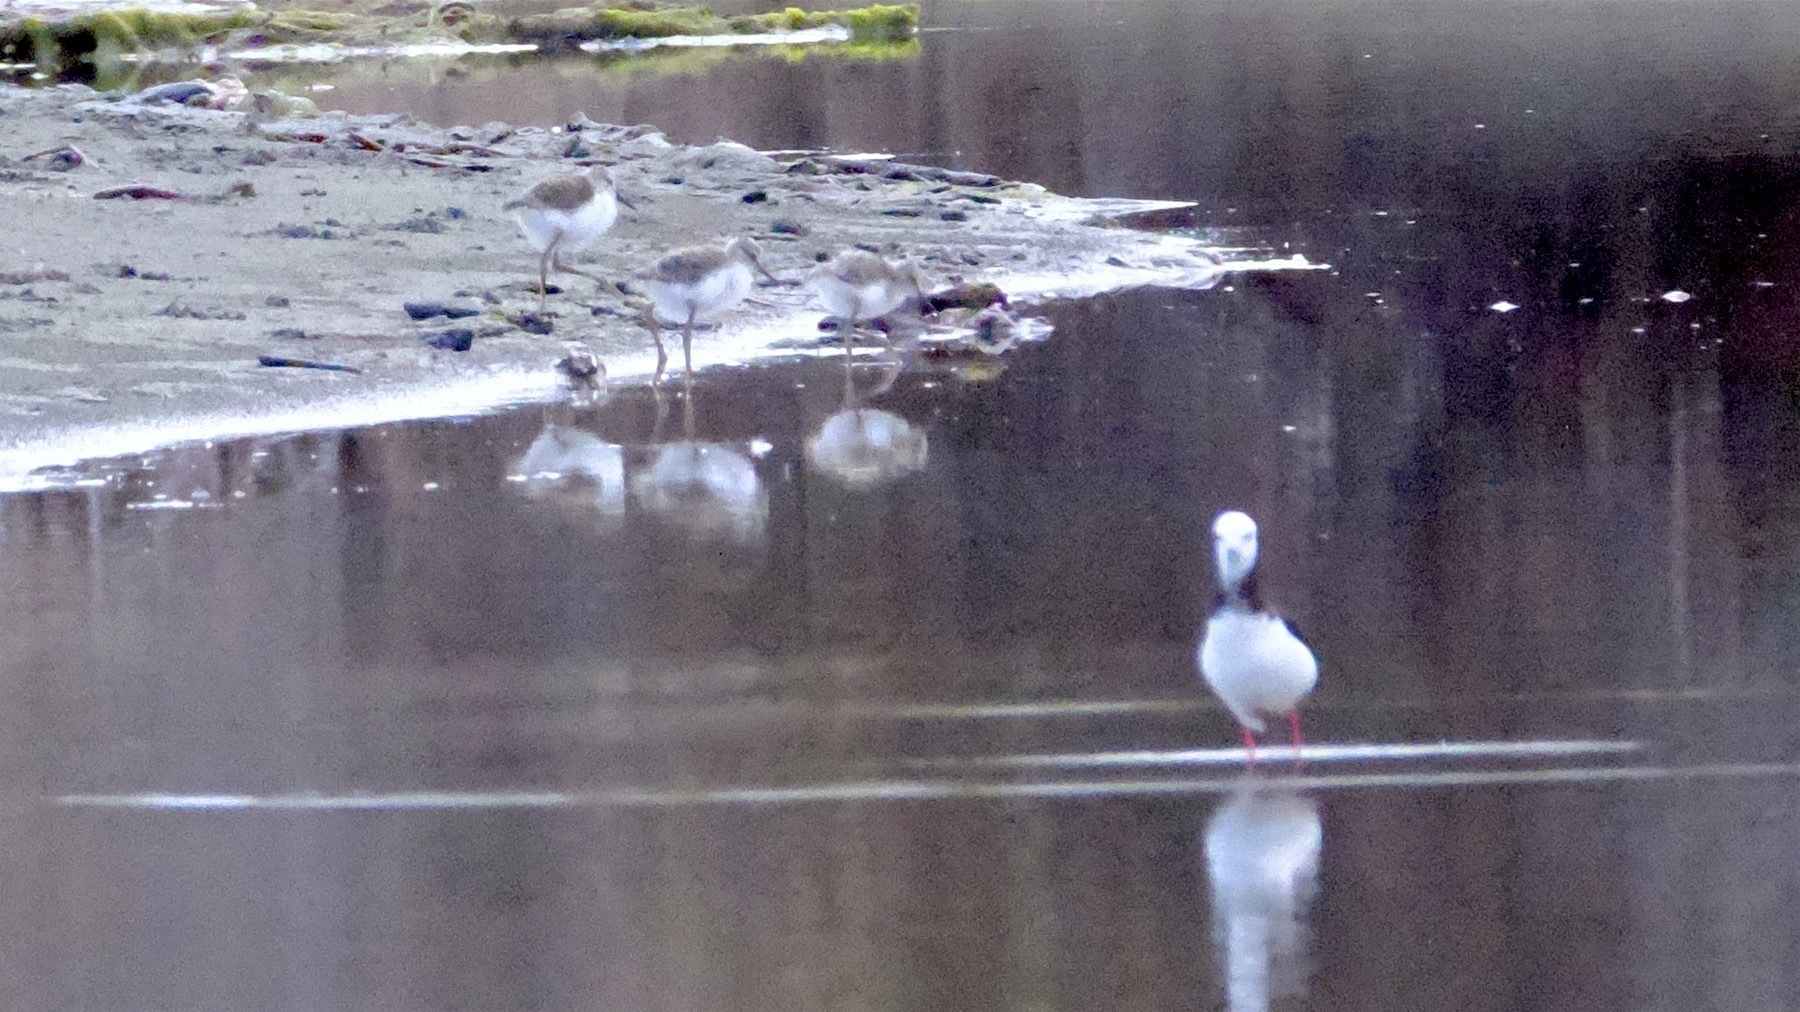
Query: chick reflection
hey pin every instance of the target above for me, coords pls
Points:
(712, 489)
(574, 467)
(864, 447)
(1262, 858)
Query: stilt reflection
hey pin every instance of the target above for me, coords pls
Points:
(1262, 859)
(865, 447)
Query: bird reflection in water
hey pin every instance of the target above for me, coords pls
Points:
(1262, 857)
(571, 465)
(865, 447)
(711, 489)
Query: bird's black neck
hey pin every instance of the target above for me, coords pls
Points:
(1247, 595)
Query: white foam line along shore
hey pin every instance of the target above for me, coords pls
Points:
(908, 790)
(466, 394)
(1283, 753)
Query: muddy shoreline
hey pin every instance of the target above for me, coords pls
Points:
(140, 320)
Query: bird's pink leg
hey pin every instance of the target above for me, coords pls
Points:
(1294, 726)
(1250, 746)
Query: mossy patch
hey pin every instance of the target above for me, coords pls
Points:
(99, 39)
(574, 25)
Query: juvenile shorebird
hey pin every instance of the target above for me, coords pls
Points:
(858, 285)
(698, 284)
(1251, 658)
(565, 214)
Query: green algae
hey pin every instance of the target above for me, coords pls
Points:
(103, 38)
(574, 25)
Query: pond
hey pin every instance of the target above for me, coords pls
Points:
(874, 687)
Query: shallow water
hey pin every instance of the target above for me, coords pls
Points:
(377, 719)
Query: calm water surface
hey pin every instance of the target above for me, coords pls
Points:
(718, 721)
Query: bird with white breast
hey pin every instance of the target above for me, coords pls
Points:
(1250, 657)
(859, 285)
(566, 213)
(698, 284)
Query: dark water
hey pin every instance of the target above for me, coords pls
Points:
(472, 742)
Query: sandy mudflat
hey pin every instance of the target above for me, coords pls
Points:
(125, 323)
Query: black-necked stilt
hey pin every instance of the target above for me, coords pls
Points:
(698, 284)
(565, 214)
(860, 286)
(1251, 658)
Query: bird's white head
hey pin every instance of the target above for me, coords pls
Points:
(1234, 547)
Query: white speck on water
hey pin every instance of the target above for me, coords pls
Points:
(1381, 214)
(1481, 126)
(1503, 306)
(1675, 295)
(430, 486)
(1639, 330)
(759, 448)
(1584, 301)
(1763, 284)
(1290, 428)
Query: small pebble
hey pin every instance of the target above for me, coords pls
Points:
(454, 339)
(428, 310)
(535, 323)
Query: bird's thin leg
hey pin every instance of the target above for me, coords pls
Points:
(1250, 747)
(662, 356)
(687, 408)
(1294, 726)
(849, 387)
(850, 326)
(687, 344)
(557, 262)
(544, 275)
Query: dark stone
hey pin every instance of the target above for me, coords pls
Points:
(426, 225)
(535, 323)
(427, 310)
(454, 339)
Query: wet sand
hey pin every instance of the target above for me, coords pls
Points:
(128, 322)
